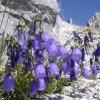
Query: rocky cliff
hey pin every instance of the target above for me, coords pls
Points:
(94, 21)
(48, 9)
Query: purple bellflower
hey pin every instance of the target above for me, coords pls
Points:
(68, 66)
(51, 47)
(63, 52)
(86, 73)
(9, 83)
(41, 84)
(33, 89)
(76, 54)
(40, 71)
(54, 71)
(39, 55)
(37, 43)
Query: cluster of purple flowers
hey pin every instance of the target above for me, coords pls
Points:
(40, 48)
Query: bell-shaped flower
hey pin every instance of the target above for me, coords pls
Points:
(66, 69)
(9, 83)
(76, 35)
(63, 53)
(76, 54)
(33, 89)
(37, 43)
(53, 69)
(72, 76)
(86, 73)
(40, 71)
(39, 55)
(41, 84)
(51, 47)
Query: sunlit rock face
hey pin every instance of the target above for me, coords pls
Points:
(48, 9)
(95, 20)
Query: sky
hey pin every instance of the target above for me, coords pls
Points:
(79, 10)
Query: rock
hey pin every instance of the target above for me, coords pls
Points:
(55, 97)
(47, 9)
(67, 90)
(94, 21)
(82, 83)
(98, 76)
(84, 89)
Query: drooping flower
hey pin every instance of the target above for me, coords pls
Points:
(76, 54)
(76, 35)
(9, 83)
(86, 73)
(41, 84)
(40, 71)
(94, 69)
(51, 47)
(39, 55)
(63, 52)
(54, 71)
(68, 66)
(33, 89)
(37, 43)
(72, 76)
